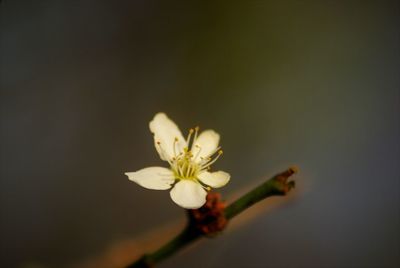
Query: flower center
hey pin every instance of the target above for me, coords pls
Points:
(187, 164)
(184, 167)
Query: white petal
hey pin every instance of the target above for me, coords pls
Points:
(155, 178)
(214, 179)
(205, 144)
(188, 194)
(165, 131)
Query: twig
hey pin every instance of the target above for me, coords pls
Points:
(276, 186)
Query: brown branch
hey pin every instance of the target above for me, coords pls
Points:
(213, 216)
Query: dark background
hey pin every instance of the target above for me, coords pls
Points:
(309, 83)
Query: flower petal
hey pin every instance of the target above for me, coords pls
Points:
(188, 194)
(165, 132)
(205, 144)
(156, 178)
(214, 179)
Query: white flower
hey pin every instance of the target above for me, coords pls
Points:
(189, 161)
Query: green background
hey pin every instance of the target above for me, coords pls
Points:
(284, 82)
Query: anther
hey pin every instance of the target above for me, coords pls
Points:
(209, 162)
(198, 152)
(189, 136)
(175, 143)
(196, 129)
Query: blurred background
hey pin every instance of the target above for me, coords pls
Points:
(314, 84)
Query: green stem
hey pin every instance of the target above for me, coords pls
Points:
(276, 186)
(186, 236)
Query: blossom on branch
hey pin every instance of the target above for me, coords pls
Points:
(189, 162)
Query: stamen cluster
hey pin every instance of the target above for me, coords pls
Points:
(187, 163)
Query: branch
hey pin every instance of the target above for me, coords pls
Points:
(276, 186)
